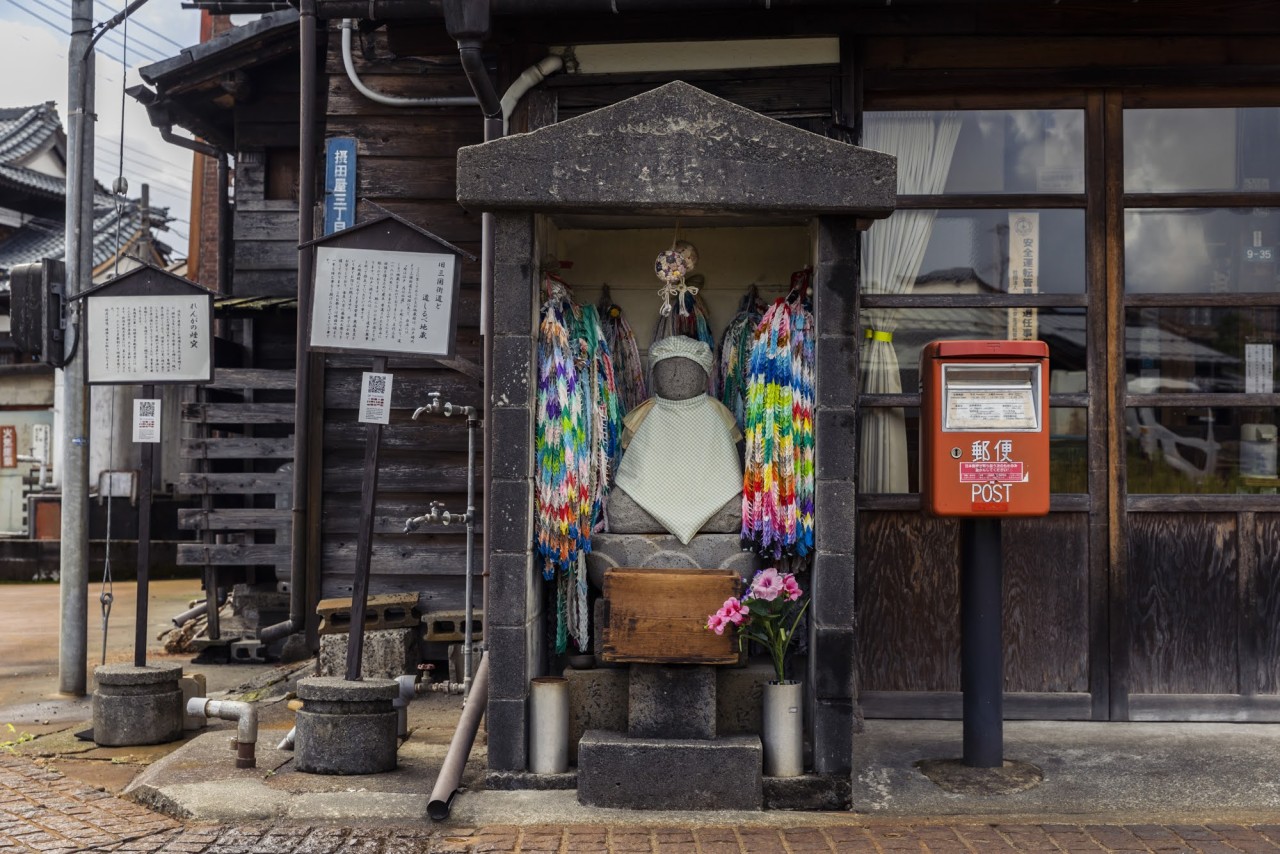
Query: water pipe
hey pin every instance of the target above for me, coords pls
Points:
(246, 717)
(455, 761)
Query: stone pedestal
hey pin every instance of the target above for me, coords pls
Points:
(137, 705)
(671, 701)
(346, 727)
(387, 653)
(670, 773)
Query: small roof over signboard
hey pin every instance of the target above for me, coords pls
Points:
(389, 232)
(677, 150)
(146, 280)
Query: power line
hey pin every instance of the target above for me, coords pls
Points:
(65, 8)
(143, 26)
(58, 28)
(135, 156)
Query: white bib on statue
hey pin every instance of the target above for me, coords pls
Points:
(682, 465)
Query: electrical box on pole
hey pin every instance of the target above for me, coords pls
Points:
(38, 309)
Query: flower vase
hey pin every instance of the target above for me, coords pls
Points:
(783, 730)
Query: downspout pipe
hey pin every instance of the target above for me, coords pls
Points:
(455, 761)
(244, 714)
(302, 356)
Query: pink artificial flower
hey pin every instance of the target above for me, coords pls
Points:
(734, 612)
(767, 585)
(716, 622)
(790, 588)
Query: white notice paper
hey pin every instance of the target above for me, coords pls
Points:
(375, 398)
(149, 339)
(1258, 368)
(146, 420)
(373, 301)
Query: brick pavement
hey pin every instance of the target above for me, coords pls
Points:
(40, 810)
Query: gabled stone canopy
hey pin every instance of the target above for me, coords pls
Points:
(676, 150)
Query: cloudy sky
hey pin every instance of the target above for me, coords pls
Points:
(33, 66)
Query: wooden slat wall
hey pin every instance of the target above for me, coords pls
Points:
(405, 163)
(909, 603)
(1183, 603)
(1266, 605)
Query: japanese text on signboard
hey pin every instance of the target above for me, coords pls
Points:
(374, 301)
(141, 339)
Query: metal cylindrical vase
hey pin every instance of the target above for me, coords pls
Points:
(549, 725)
(783, 734)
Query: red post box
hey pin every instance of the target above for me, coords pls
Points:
(984, 428)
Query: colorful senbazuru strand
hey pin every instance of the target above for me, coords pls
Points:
(627, 366)
(777, 493)
(735, 355)
(577, 431)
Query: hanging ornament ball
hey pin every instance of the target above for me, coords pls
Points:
(690, 254)
(671, 266)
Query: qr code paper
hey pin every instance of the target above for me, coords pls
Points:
(377, 384)
(146, 409)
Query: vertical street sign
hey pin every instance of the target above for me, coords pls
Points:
(339, 183)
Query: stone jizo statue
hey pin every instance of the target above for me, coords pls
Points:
(680, 469)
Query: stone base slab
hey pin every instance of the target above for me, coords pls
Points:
(669, 773)
(387, 653)
(137, 705)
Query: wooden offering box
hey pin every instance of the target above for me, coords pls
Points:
(659, 616)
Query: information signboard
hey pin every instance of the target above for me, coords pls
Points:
(384, 303)
(149, 339)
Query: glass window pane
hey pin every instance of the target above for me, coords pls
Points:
(1181, 150)
(1201, 449)
(1063, 329)
(1206, 251)
(1201, 349)
(982, 151)
(995, 251)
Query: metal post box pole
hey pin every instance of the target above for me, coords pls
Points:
(981, 642)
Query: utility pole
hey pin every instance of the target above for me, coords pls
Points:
(73, 566)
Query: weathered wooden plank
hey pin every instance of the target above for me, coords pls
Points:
(659, 616)
(445, 218)
(252, 378)
(1226, 708)
(402, 434)
(420, 557)
(231, 554)
(265, 283)
(395, 136)
(442, 473)
(1046, 603)
(266, 225)
(237, 449)
(409, 177)
(409, 390)
(391, 511)
(908, 603)
(1182, 603)
(238, 413)
(445, 593)
(234, 483)
(996, 52)
(266, 254)
(233, 519)
(346, 101)
(947, 705)
(1266, 606)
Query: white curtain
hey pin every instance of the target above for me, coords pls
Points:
(892, 251)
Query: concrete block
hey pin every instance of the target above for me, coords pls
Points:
(833, 526)
(513, 379)
(739, 703)
(511, 505)
(510, 589)
(449, 626)
(834, 579)
(597, 700)
(137, 705)
(513, 433)
(828, 793)
(384, 611)
(836, 661)
(386, 654)
(193, 685)
(508, 662)
(248, 651)
(833, 724)
(506, 727)
(835, 359)
(671, 701)
(836, 432)
(346, 727)
(668, 773)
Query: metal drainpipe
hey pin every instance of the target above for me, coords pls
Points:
(224, 222)
(302, 356)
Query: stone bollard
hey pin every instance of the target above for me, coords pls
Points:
(137, 705)
(346, 727)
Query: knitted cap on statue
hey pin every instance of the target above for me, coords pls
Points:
(681, 462)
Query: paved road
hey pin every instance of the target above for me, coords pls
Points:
(41, 810)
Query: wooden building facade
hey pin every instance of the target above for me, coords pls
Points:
(1137, 140)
